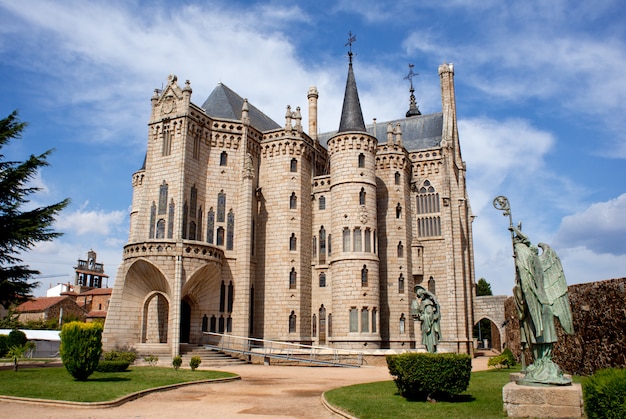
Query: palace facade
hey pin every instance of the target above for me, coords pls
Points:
(243, 226)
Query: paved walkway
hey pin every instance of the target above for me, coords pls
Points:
(262, 392)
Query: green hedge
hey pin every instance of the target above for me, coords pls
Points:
(604, 394)
(3, 345)
(114, 355)
(81, 346)
(425, 376)
(112, 366)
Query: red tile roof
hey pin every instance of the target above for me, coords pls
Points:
(39, 304)
(98, 291)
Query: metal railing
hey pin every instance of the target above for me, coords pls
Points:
(285, 351)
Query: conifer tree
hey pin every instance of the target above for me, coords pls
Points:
(20, 229)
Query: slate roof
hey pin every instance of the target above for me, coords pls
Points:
(224, 103)
(351, 114)
(418, 132)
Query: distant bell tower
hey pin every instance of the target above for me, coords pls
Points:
(89, 273)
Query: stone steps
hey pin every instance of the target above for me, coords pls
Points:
(210, 357)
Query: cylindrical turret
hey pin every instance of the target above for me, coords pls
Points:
(313, 95)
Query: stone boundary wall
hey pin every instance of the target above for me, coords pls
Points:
(599, 314)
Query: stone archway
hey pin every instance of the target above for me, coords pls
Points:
(491, 307)
(202, 298)
(155, 323)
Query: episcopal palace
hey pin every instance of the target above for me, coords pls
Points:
(243, 226)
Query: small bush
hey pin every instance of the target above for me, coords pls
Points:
(112, 366)
(604, 394)
(81, 346)
(114, 355)
(16, 338)
(424, 376)
(177, 361)
(151, 359)
(505, 359)
(3, 345)
(195, 362)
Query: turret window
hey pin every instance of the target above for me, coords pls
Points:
(293, 167)
(293, 277)
(365, 320)
(230, 230)
(221, 206)
(292, 322)
(322, 202)
(361, 160)
(400, 250)
(397, 178)
(293, 242)
(224, 158)
(346, 239)
(163, 198)
(401, 284)
(293, 201)
(364, 275)
(362, 197)
(322, 279)
(357, 239)
(210, 225)
(428, 208)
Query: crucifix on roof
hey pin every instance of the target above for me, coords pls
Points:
(410, 76)
(351, 40)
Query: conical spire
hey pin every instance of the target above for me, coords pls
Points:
(351, 115)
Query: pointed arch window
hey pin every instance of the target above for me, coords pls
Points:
(368, 240)
(163, 198)
(293, 241)
(374, 314)
(365, 320)
(431, 286)
(224, 158)
(322, 280)
(314, 325)
(293, 167)
(185, 219)
(330, 324)
(210, 225)
(322, 234)
(160, 229)
(222, 297)
(166, 148)
(354, 319)
(193, 201)
(346, 239)
(364, 278)
(170, 220)
(293, 278)
(221, 206)
(361, 160)
(220, 236)
(398, 211)
(322, 202)
(400, 250)
(401, 284)
(192, 230)
(357, 238)
(397, 178)
(428, 209)
(362, 197)
(292, 322)
(230, 230)
(230, 296)
(152, 220)
(314, 246)
(402, 321)
(293, 201)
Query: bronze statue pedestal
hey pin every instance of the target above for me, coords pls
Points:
(542, 401)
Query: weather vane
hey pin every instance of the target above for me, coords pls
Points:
(351, 40)
(410, 76)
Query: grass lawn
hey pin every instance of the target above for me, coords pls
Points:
(483, 399)
(56, 383)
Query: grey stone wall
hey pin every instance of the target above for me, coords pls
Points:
(599, 314)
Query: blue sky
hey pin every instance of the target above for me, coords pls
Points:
(540, 89)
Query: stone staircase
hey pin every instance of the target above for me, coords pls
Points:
(210, 357)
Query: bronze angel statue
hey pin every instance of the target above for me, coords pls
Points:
(427, 311)
(540, 294)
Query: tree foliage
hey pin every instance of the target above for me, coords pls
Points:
(20, 229)
(81, 346)
(483, 287)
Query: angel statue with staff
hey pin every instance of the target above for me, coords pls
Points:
(540, 294)
(427, 311)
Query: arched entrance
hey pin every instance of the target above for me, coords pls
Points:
(185, 321)
(155, 319)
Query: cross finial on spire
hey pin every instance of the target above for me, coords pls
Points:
(410, 76)
(351, 40)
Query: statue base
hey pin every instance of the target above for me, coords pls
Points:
(542, 401)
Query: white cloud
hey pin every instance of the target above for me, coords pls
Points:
(600, 228)
(82, 222)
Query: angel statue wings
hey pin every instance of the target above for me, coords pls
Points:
(425, 308)
(540, 294)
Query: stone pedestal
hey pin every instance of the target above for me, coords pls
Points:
(543, 401)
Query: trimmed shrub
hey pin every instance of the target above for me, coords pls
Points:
(604, 394)
(16, 338)
(195, 362)
(81, 346)
(177, 361)
(112, 366)
(425, 376)
(505, 359)
(128, 356)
